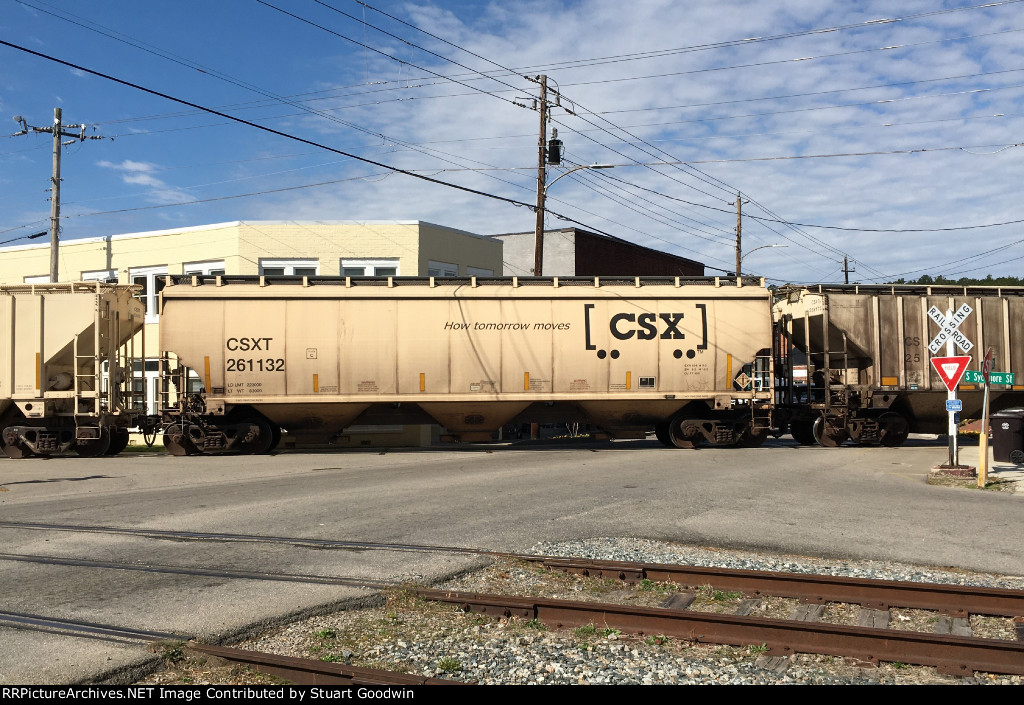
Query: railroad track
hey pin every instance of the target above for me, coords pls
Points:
(949, 653)
(295, 670)
(956, 652)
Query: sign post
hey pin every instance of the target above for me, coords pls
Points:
(986, 370)
(949, 333)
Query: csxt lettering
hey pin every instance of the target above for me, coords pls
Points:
(646, 326)
(249, 343)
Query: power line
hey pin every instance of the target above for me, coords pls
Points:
(279, 133)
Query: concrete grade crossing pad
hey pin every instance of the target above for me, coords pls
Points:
(845, 503)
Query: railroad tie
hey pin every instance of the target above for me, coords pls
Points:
(746, 607)
(679, 600)
(807, 613)
(958, 626)
(873, 618)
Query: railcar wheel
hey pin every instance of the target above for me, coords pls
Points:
(685, 433)
(661, 433)
(827, 435)
(895, 429)
(275, 436)
(14, 449)
(802, 431)
(93, 447)
(118, 441)
(261, 442)
(177, 442)
(753, 439)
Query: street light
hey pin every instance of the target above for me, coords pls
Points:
(542, 193)
(759, 248)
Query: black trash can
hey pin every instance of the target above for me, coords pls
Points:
(1008, 435)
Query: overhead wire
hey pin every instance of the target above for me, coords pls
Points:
(94, 27)
(787, 223)
(279, 133)
(874, 230)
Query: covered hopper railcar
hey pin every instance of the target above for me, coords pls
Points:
(69, 366)
(690, 358)
(866, 363)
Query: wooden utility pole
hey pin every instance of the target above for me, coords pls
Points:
(846, 269)
(58, 130)
(739, 232)
(542, 175)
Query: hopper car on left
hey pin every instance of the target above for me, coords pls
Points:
(67, 362)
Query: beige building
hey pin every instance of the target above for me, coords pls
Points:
(313, 248)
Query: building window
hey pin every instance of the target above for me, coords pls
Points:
(442, 269)
(212, 267)
(387, 267)
(479, 272)
(290, 267)
(152, 281)
(38, 279)
(107, 276)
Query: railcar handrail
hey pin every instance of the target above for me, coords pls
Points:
(67, 288)
(514, 281)
(902, 289)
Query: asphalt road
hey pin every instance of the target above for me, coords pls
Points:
(852, 502)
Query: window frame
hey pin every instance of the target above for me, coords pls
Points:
(289, 265)
(206, 267)
(370, 263)
(107, 276)
(150, 296)
(436, 268)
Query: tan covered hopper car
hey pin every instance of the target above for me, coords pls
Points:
(60, 342)
(868, 366)
(312, 356)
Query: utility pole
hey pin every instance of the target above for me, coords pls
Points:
(847, 270)
(542, 176)
(739, 231)
(57, 131)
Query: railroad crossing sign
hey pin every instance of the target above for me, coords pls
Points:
(951, 369)
(950, 328)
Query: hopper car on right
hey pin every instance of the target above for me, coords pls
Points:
(852, 361)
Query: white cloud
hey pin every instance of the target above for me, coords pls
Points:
(698, 96)
(140, 173)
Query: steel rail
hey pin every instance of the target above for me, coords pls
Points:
(359, 583)
(949, 654)
(302, 671)
(953, 600)
(21, 620)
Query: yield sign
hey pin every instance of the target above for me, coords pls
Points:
(951, 369)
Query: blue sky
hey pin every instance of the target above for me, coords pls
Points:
(901, 136)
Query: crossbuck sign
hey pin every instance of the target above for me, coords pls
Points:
(950, 328)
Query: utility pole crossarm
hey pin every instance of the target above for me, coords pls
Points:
(58, 131)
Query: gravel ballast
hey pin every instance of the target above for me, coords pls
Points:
(429, 639)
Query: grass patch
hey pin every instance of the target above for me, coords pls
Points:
(448, 664)
(584, 632)
(970, 483)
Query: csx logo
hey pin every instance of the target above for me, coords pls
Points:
(248, 343)
(645, 326)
